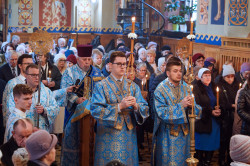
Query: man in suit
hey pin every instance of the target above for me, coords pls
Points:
(10, 69)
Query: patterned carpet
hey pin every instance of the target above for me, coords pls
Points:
(145, 152)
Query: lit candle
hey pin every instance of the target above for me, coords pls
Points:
(49, 73)
(132, 40)
(192, 104)
(192, 27)
(133, 24)
(217, 90)
(240, 85)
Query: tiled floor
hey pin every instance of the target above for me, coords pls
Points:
(145, 153)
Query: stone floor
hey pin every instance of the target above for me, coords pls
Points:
(145, 153)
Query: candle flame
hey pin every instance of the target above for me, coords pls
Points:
(133, 19)
(240, 85)
(217, 89)
(192, 95)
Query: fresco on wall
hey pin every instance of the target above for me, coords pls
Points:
(84, 13)
(203, 17)
(218, 12)
(25, 12)
(238, 12)
(55, 13)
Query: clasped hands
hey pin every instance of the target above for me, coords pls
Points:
(127, 102)
(187, 101)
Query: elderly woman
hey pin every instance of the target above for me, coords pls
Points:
(41, 148)
(142, 55)
(97, 58)
(61, 44)
(198, 59)
(161, 66)
(151, 59)
(207, 131)
(141, 76)
(60, 62)
(20, 48)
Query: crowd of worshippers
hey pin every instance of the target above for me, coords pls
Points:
(158, 95)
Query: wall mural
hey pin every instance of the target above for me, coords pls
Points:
(84, 13)
(238, 12)
(203, 17)
(25, 12)
(55, 13)
(218, 12)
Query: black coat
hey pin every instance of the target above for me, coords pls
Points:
(153, 83)
(55, 75)
(203, 125)
(243, 109)
(6, 73)
(150, 68)
(240, 78)
(8, 149)
(227, 98)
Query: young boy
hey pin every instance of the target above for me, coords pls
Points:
(23, 99)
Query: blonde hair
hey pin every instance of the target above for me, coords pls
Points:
(20, 157)
(151, 52)
(97, 52)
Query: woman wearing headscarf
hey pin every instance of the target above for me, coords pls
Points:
(207, 129)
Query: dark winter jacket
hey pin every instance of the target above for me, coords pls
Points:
(227, 98)
(203, 125)
(243, 109)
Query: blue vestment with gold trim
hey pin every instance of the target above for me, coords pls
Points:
(171, 139)
(116, 134)
(71, 142)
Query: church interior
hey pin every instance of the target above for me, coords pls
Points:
(214, 28)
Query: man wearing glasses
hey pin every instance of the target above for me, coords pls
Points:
(48, 108)
(22, 62)
(117, 106)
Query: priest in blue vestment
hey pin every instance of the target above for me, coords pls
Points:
(171, 138)
(117, 105)
(78, 108)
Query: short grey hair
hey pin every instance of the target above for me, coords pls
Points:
(140, 65)
(61, 40)
(9, 54)
(20, 47)
(15, 37)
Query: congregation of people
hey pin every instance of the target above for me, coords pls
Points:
(124, 101)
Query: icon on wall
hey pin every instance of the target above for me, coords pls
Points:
(218, 12)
